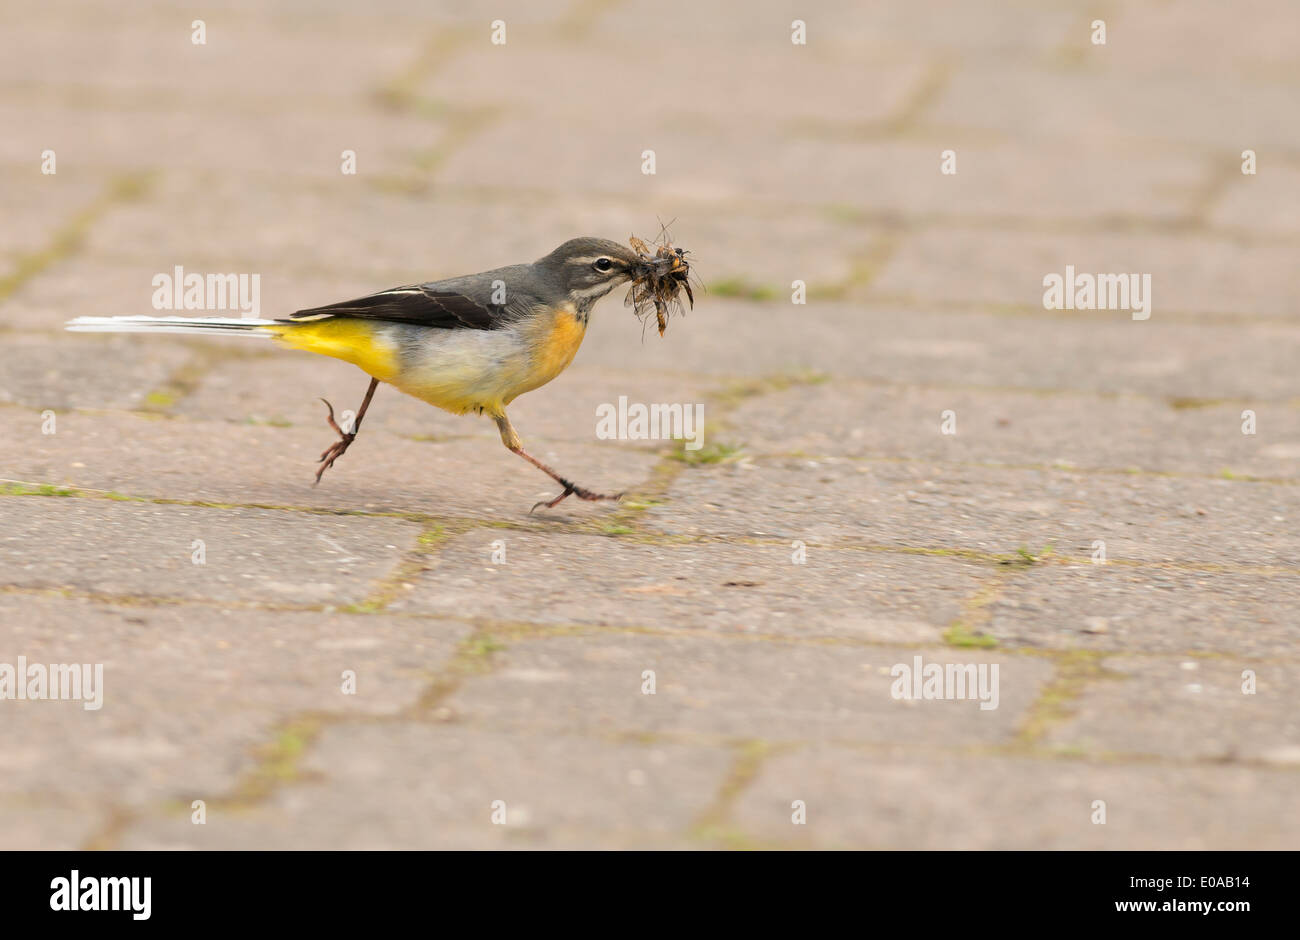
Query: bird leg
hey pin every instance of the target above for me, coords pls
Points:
(515, 445)
(339, 447)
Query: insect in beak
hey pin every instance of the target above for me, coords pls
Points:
(658, 278)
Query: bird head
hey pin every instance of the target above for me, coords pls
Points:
(589, 268)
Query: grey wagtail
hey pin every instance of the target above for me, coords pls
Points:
(472, 343)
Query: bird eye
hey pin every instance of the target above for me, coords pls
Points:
(603, 264)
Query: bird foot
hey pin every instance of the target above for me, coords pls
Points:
(572, 489)
(338, 448)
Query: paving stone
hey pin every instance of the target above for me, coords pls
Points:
(36, 205)
(276, 466)
(1183, 360)
(191, 695)
(1190, 275)
(132, 548)
(1187, 108)
(302, 143)
(272, 466)
(1148, 608)
(723, 588)
(903, 30)
(736, 689)
(1190, 709)
(735, 249)
(693, 166)
(46, 301)
(25, 828)
(248, 220)
(1155, 39)
(690, 77)
(940, 506)
(329, 16)
(58, 372)
(1264, 202)
(895, 800)
(997, 184)
(409, 786)
(260, 59)
(844, 419)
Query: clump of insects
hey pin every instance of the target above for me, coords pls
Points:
(658, 280)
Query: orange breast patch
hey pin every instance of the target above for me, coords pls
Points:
(559, 345)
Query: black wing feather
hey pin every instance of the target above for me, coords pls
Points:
(446, 310)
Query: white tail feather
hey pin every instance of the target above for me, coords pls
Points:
(223, 325)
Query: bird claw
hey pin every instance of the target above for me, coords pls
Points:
(549, 504)
(335, 450)
(572, 489)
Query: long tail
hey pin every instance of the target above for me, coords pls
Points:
(227, 326)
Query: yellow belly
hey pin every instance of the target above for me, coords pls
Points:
(354, 341)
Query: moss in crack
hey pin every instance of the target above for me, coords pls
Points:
(713, 825)
(278, 762)
(412, 566)
(69, 237)
(36, 489)
(744, 290)
(1075, 671)
(967, 631)
(715, 452)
